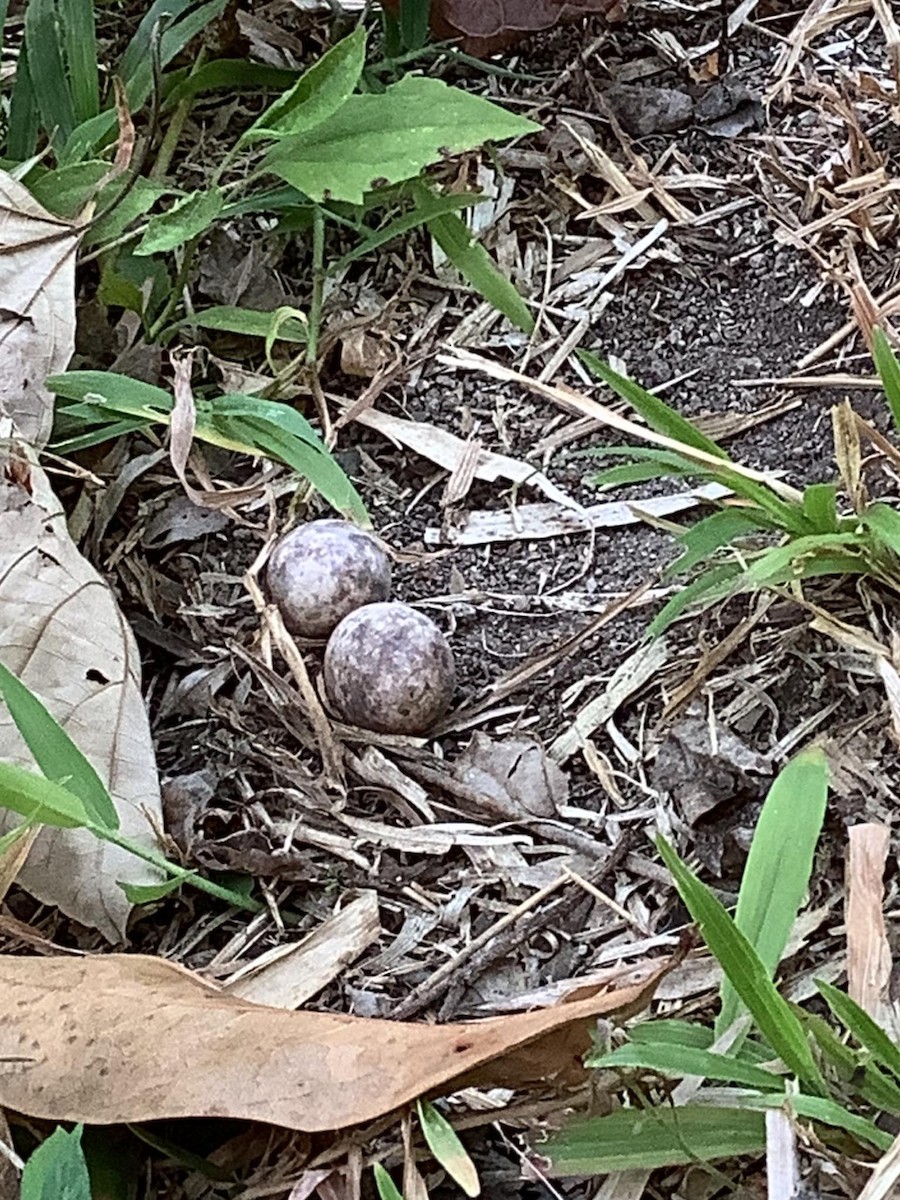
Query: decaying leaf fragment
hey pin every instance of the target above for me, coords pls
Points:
(119, 1038)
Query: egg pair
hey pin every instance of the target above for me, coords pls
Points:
(387, 666)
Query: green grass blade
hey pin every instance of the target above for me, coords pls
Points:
(39, 799)
(635, 1139)
(658, 415)
(224, 74)
(671, 1031)
(109, 387)
(779, 866)
(387, 1189)
(477, 267)
(308, 457)
(447, 1149)
(427, 208)
(80, 39)
(49, 79)
(54, 751)
(24, 118)
(679, 1061)
(866, 1080)
(710, 534)
(858, 1022)
(639, 472)
(414, 23)
(708, 587)
(749, 977)
(806, 557)
(824, 1111)
(889, 369)
(249, 322)
(137, 70)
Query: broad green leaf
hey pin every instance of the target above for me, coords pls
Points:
(447, 1149)
(55, 752)
(708, 535)
(387, 1189)
(77, 19)
(32, 796)
(188, 218)
(373, 140)
(820, 507)
(116, 214)
(426, 209)
(476, 266)
(670, 1059)
(740, 962)
(704, 590)
(24, 118)
(884, 523)
(66, 190)
(49, 81)
(889, 369)
(318, 94)
(88, 138)
(57, 1170)
(779, 865)
(635, 1139)
(658, 415)
(866, 1030)
(250, 322)
(146, 893)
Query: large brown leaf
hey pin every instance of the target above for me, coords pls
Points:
(117, 1038)
(63, 633)
(65, 638)
(37, 306)
(483, 27)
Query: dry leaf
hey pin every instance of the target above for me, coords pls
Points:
(65, 638)
(448, 451)
(487, 26)
(868, 951)
(140, 1039)
(37, 315)
(290, 975)
(514, 776)
(12, 859)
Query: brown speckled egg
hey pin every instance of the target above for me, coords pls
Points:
(321, 571)
(389, 668)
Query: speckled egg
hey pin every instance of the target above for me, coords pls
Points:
(390, 669)
(321, 571)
